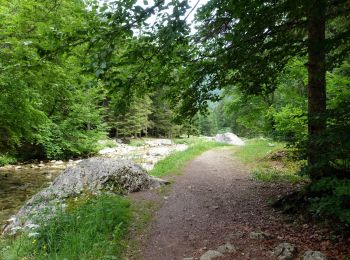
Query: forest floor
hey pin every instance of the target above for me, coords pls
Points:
(215, 201)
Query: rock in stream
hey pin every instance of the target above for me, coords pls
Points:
(94, 175)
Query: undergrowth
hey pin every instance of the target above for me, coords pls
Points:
(257, 154)
(275, 175)
(7, 159)
(331, 199)
(327, 199)
(95, 229)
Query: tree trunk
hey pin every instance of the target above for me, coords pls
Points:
(316, 86)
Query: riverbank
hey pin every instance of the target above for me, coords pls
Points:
(19, 182)
(13, 246)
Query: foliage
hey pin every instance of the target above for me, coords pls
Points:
(246, 45)
(337, 135)
(49, 106)
(176, 161)
(7, 159)
(274, 32)
(94, 229)
(331, 199)
(135, 120)
(247, 114)
(291, 124)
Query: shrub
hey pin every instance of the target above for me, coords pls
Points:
(331, 198)
(7, 159)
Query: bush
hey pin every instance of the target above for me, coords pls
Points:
(331, 198)
(7, 159)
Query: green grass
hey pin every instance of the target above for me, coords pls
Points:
(95, 229)
(256, 149)
(174, 163)
(255, 155)
(143, 212)
(276, 175)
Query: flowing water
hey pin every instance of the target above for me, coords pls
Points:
(19, 183)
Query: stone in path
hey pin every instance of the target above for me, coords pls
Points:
(226, 248)
(211, 254)
(285, 251)
(314, 255)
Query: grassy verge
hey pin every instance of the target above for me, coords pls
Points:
(174, 163)
(256, 149)
(257, 154)
(143, 212)
(95, 229)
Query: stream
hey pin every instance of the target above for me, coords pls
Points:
(18, 183)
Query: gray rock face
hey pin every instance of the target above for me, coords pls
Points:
(285, 251)
(93, 175)
(229, 138)
(211, 254)
(314, 255)
(101, 174)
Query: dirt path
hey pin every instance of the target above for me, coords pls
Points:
(215, 201)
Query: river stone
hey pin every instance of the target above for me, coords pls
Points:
(314, 255)
(157, 142)
(226, 248)
(211, 254)
(229, 138)
(107, 151)
(94, 175)
(285, 251)
(259, 235)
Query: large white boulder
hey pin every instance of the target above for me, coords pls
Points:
(229, 138)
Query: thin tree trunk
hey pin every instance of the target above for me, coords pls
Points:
(316, 85)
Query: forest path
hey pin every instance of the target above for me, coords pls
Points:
(215, 201)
